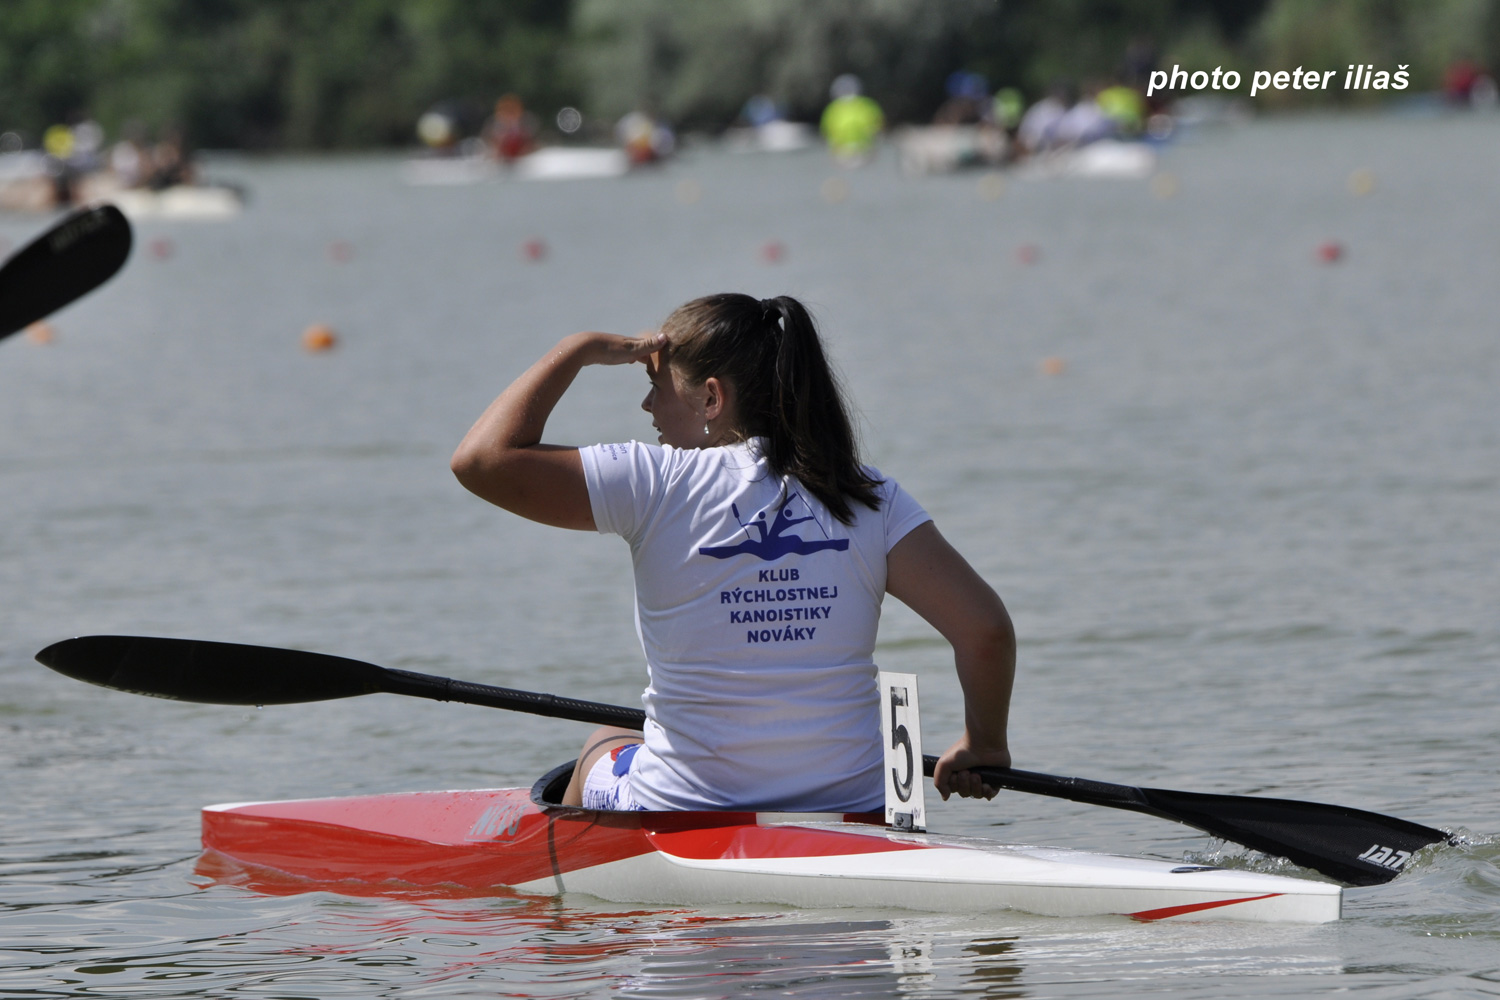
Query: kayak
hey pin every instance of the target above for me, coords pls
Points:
(196, 202)
(522, 840)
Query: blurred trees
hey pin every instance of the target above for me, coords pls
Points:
(316, 74)
(1427, 35)
(274, 73)
(699, 63)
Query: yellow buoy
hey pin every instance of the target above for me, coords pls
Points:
(40, 333)
(1362, 182)
(1054, 366)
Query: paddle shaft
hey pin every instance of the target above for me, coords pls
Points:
(466, 692)
(406, 682)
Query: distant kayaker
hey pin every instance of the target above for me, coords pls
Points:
(762, 551)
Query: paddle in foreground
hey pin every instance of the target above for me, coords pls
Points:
(1351, 845)
(71, 259)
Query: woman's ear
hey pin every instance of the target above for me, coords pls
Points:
(714, 398)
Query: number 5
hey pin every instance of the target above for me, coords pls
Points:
(900, 738)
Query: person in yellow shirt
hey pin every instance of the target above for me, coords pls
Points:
(852, 122)
(1125, 107)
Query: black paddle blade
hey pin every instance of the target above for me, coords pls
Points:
(1351, 845)
(218, 673)
(71, 259)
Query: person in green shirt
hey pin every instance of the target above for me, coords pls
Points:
(852, 122)
(1125, 107)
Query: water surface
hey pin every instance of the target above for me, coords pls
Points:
(1247, 534)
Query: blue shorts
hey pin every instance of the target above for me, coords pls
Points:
(607, 785)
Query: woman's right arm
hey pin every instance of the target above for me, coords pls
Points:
(928, 575)
(503, 459)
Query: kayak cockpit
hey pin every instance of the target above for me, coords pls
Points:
(547, 793)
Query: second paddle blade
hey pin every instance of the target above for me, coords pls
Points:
(76, 256)
(218, 673)
(1354, 846)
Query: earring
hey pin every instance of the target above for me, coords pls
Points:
(705, 428)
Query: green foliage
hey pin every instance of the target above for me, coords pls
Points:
(1427, 36)
(45, 70)
(273, 73)
(697, 64)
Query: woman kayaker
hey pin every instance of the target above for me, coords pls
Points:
(762, 550)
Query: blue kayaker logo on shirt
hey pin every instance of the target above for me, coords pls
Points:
(773, 541)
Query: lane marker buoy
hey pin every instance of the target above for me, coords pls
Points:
(319, 337)
(1362, 182)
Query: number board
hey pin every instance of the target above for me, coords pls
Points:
(902, 736)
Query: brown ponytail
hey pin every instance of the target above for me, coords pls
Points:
(786, 392)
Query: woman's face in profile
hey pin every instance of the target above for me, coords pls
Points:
(676, 411)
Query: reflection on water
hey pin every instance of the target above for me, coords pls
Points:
(327, 946)
(1239, 500)
(994, 968)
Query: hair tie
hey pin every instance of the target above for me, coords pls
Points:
(770, 312)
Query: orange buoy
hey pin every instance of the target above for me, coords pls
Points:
(1028, 253)
(1330, 252)
(773, 251)
(1054, 366)
(40, 333)
(533, 249)
(319, 337)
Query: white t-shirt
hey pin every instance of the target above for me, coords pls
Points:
(757, 611)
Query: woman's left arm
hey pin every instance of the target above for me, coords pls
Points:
(928, 575)
(502, 458)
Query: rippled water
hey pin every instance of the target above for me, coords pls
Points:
(1248, 536)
